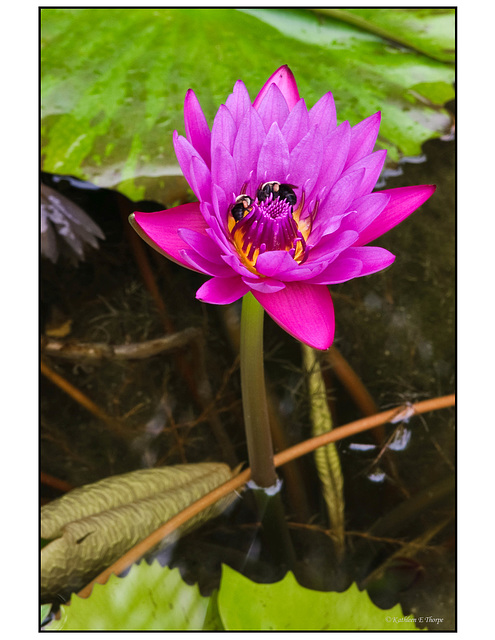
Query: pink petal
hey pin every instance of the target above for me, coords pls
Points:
(224, 129)
(305, 311)
(272, 263)
(323, 114)
(301, 273)
(367, 208)
(232, 259)
(285, 81)
(264, 285)
(160, 229)
(273, 108)
(318, 233)
(279, 264)
(223, 171)
(185, 152)
(200, 179)
(273, 161)
(238, 102)
(197, 129)
(197, 262)
(336, 148)
(247, 145)
(297, 124)
(222, 290)
(202, 244)
(373, 259)
(305, 161)
(373, 165)
(207, 212)
(403, 201)
(338, 200)
(363, 138)
(218, 232)
(221, 204)
(331, 245)
(342, 270)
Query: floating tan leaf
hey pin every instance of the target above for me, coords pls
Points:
(96, 524)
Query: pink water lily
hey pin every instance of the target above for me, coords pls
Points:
(285, 204)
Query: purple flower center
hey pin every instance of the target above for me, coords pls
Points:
(267, 223)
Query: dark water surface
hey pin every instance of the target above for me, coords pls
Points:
(396, 329)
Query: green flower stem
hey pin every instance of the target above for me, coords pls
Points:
(266, 487)
(274, 529)
(259, 440)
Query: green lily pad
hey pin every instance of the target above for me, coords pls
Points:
(148, 598)
(151, 598)
(45, 610)
(367, 73)
(113, 83)
(427, 30)
(285, 605)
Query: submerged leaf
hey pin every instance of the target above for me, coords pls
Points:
(94, 525)
(65, 228)
(286, 605)
(148, 598)
(326, 457)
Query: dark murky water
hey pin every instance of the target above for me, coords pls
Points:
(396, 328)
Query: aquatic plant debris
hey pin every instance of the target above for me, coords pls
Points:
(90, 527)
(285, 204)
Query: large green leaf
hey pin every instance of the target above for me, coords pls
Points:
(151, 598)
(114, 80)
(45, 610)
(285, 605)
(95, 524)
(154, 598)
(366, 74)
(430, 31)
(148, 598)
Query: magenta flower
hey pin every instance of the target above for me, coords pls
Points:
(285, 204)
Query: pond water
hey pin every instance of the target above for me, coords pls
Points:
(395, 328)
